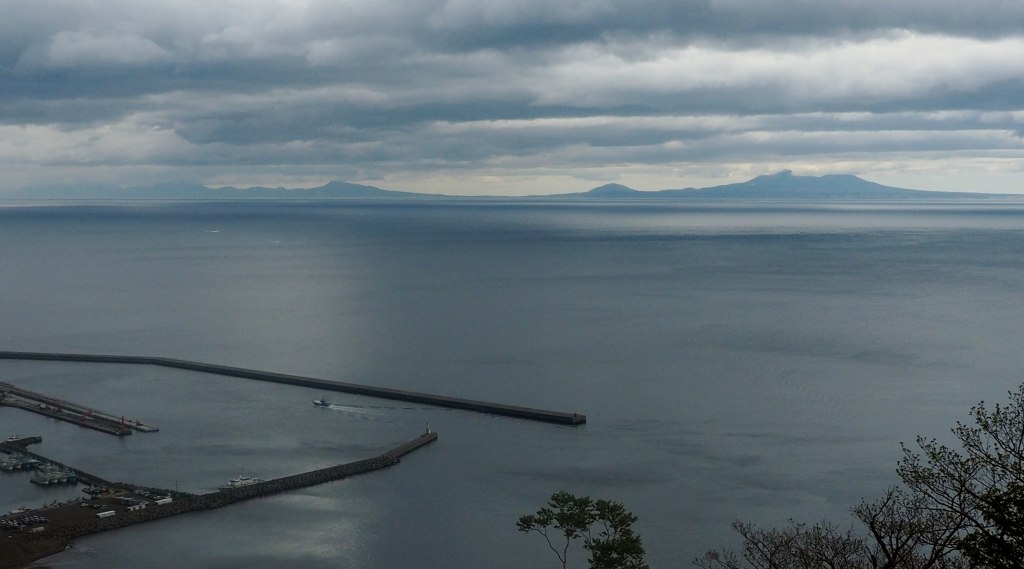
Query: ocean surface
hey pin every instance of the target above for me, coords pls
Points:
(735, 361)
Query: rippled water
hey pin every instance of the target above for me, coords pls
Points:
(735, 361)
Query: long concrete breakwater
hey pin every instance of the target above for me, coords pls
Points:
(323, 384)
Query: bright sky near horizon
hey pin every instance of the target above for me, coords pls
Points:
(511, 96)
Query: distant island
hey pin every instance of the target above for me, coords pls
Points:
(780, 186)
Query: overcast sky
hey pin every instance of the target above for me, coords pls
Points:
(511, 96)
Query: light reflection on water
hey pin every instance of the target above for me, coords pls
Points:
(759, 362)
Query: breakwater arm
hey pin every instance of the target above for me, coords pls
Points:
(25, 548)
(323, 384)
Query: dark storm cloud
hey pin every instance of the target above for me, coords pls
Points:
(433, 85)
(467, 23)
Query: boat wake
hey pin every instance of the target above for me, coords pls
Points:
(352, 409)
(372, 410)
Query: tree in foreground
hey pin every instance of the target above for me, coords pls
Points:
(1001, 544)
(794, 546)
(604, 526)
(982, 483)
(959, 507)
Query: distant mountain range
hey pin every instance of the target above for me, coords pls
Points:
(784, 186)
(187, 191)
(781, 186)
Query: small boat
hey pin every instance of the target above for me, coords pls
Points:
(321, 403)
(19, 462)
(241, 482)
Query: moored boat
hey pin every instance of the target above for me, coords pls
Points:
(241, 482)
(54, 474)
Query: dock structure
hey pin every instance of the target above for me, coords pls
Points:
(75, 413)
(22, 441)
(16, 448)
(316, 383)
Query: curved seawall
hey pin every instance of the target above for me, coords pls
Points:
(323, 384)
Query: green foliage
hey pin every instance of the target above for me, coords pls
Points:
(980, 484)
(959, 507)
(605, 527)
(1001, 544)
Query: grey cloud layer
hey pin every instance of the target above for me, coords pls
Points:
(435, 84)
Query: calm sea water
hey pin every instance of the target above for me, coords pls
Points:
(757, 362)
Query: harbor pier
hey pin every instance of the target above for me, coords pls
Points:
(76, 413)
